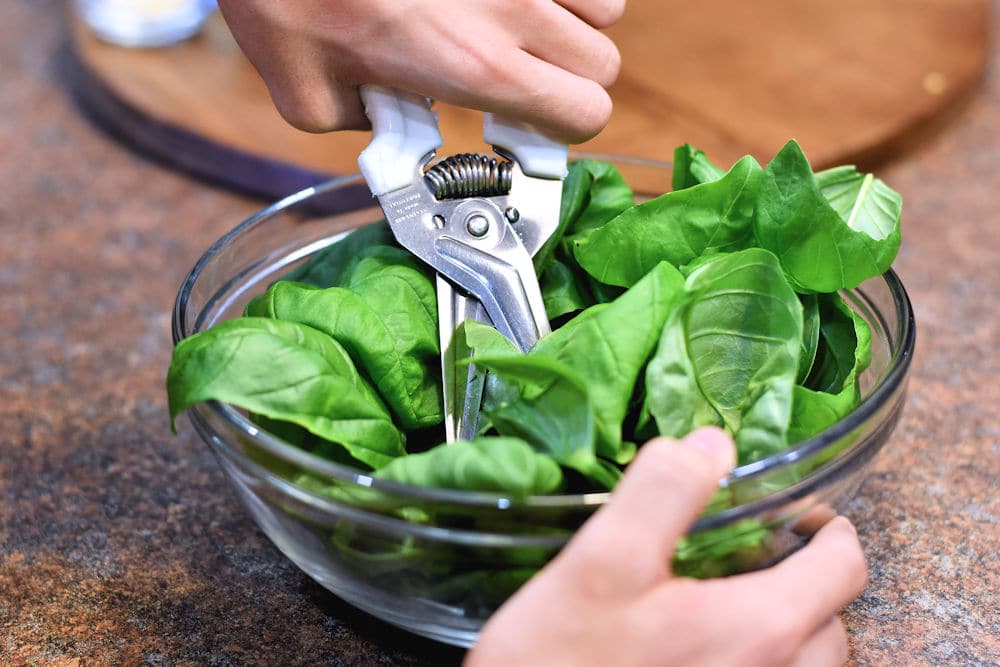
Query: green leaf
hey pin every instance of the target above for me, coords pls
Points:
(830, 231)
(607, 195)
(814, 411)
(575, 195)
(288, 372)
(539, 400)
(561, 292)
(385, 316)
(370, 263)
(607, 346)
(487, 341)
(551, 410)
(593, 193)
(325, 268)
(692, 167)
(832, 389)
(502, 465)
(810, 335)
(722, 551)
(677, 227)
(844, 346)
(729, 354)
(864, 202)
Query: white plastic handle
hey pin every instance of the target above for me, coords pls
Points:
(404, 131)
(538, 155)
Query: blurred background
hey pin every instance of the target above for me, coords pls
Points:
(122, 544)
(852, 80)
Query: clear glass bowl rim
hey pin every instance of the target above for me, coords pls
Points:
(896, 375)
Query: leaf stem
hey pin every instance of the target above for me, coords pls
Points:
(862, 194)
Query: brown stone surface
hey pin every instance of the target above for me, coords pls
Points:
(123, 544)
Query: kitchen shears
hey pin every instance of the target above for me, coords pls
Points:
(476, 220)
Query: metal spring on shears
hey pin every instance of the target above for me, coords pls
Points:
(469, 175)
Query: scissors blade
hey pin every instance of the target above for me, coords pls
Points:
(509, 298)
(462, 385)
(537, 202)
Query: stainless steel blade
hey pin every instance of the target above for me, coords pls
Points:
(462, 386)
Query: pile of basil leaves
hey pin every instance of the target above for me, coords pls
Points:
(716, 303)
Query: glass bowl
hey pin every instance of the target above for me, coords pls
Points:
(439, 562)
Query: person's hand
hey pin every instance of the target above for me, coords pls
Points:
(538, 61)
(609, 598)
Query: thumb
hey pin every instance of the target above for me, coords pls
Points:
(631, 540)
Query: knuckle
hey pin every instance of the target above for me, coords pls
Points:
(687, 613)
(593, 119)
(610, 63)
(476, 65)
(698, 600)
(582, 552)
(304, 112)
(513, 12)
(646, 629)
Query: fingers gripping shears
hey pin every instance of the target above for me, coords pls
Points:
(476, 220)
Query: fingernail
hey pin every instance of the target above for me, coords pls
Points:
(716, 442)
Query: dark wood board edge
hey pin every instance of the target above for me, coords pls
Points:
(270, 179)
(178, 147)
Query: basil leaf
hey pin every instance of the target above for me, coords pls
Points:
(593, 193)
(607, 195)
(486, 341)
(606, 346)
(810, 335)
(560, 291)
(371, 262)
(575, 195)
(288, 372)
(386, 319)
(729, 354)
(325, 268)
(677, 227)
(826, 244)
(551, 410)
(539, 400)
(832, 389)
(502, 465)
(722, 551)
(844, 347)
(692, 167)
(864, 202)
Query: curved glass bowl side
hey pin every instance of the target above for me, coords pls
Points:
(439, 562)
(442, 583)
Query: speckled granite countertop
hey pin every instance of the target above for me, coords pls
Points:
(123, 544)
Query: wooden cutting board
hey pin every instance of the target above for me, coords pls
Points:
(852, 80)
